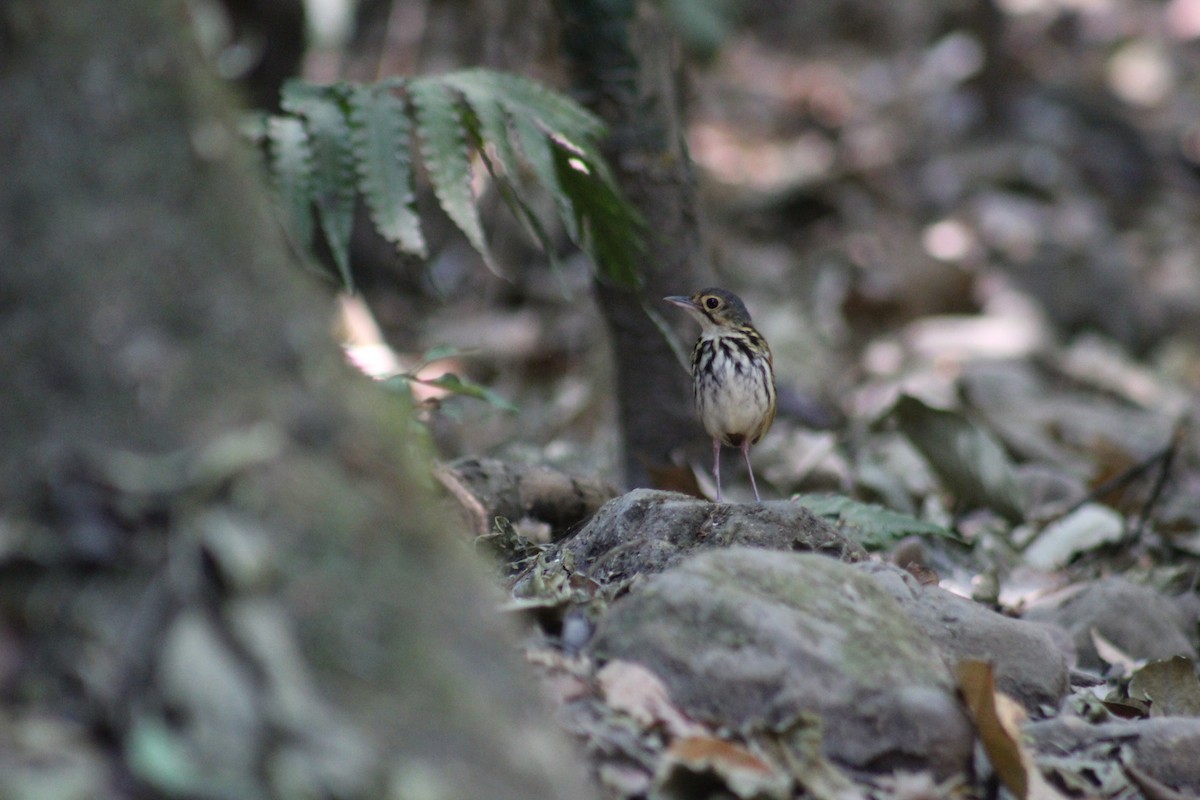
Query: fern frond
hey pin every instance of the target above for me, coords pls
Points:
(324, 112)
(332, 143)
(493, 125)
(538, 149)
(524, 97)
(497, 129)
(556, 115)
(553, 132)
(444, 148)
(291, 170)
(382, 134)
(610, 227)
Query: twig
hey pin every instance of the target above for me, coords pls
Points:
(1168, 460)
(1163, 458)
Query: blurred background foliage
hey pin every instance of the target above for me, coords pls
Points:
(894, 189)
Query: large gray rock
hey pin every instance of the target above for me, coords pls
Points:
(1141, 622)
(647, 531)
(752, 638)
(1029, 666)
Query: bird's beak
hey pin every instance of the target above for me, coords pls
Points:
(682, 302)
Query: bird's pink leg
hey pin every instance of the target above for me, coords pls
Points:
(717, 466)
(750, 469)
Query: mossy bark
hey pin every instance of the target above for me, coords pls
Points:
(199, 501)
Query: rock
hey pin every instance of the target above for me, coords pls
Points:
(486, 488)
(754, 639)
(1029, 665)
(647, 531)
(1164, 748)
(1141, 622)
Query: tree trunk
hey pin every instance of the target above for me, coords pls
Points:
(626, 68)
(221, 573)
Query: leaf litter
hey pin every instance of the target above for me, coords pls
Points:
(1008, 374)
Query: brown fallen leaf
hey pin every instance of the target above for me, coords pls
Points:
(634, 690)
(997, 718)
(695, 761)
(561, 676)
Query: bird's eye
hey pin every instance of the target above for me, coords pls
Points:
(712, 303)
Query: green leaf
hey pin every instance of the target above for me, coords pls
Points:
(872, 526)
(292, 173)
(526, 98)
(357, 139)
(538, 149)
(502, 118)
(444, 148)
(554, 132)
(456, 385)
(611, 227)
(496, 132)
(382, 131)
(523, 212)
(322, 108)
(440, 352)
(968, 460)
(492, 117)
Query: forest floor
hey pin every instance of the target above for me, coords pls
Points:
(972, 244)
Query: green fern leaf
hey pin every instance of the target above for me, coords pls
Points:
(291, 169)
(495, 135)
(342, 140)
(560, 118)
(533, 109)
(555, 134)
(493, 120)
(611, 228)
(872, 526)
(497, 129)
(382, 132)
(525, 213)
(538, 149)
(524, 97)
(443, 137)
(324, 113)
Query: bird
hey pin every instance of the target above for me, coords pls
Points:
(733, 377)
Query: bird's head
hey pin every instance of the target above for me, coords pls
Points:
(714, 308)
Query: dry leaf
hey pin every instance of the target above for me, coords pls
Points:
(997, 718)
(1111, 654)
(699, 760)
(967, 458)
(1085, 529)
(1170, 685)
(631, 688)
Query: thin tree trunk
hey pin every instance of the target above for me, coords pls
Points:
(626, 68)
(221, 575)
